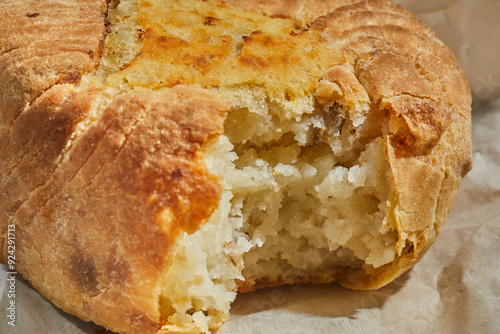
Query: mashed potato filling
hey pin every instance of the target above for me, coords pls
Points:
(304, 173)
(292, 209)
(308, 210)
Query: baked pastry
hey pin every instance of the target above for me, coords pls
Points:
(157, 156)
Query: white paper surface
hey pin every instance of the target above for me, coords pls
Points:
(454, 289)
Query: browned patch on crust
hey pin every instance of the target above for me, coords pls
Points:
(210, 21)
(175, 179)
(83, 271)
(256, 52)
(72, 77)
(254, 61)
(246, 39)
(466, 167)
(416, 124)
(198, 54)
(205, 57)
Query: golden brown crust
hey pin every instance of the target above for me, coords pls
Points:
(98, 221)
(238, 48)
(46, 43)
(42, 44)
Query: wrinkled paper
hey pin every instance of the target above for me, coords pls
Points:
(454, 289)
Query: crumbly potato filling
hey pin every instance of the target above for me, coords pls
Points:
(291, 210)
(308, 210)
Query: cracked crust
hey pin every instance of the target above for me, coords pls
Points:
(36, 54)
(74, 155)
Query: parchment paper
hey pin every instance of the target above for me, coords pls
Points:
(454, 289)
